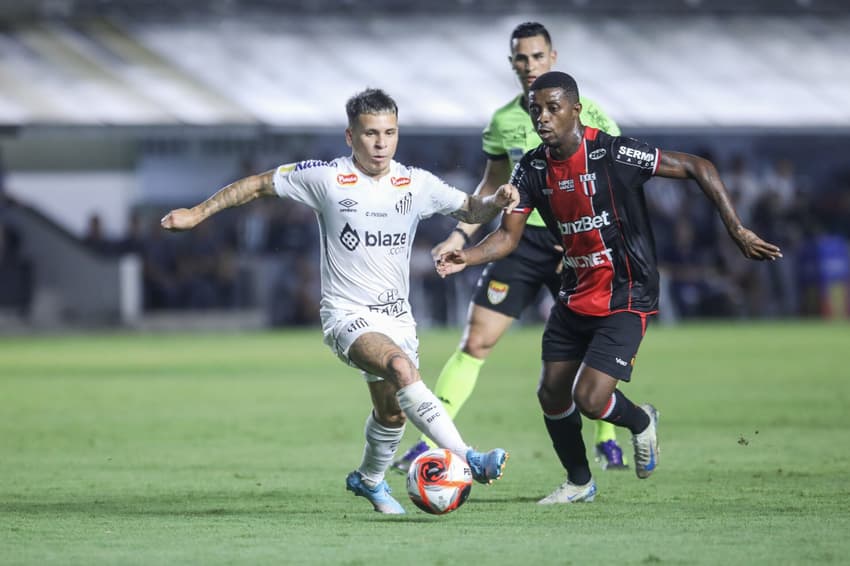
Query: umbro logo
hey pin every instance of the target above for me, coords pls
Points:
(348, 205)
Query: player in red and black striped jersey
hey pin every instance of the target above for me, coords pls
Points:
(588, 187)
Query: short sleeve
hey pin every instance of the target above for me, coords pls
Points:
(492, 140)
(441, 198)
(594, 116)
(522, 181)
(634, 161)
(304, 182)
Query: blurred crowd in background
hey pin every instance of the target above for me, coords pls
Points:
(704, 274)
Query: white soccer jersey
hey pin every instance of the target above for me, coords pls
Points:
(367, 227)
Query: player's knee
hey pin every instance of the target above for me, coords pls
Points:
(402, 370)
(590, 404)
(477, 346)
(548, 399)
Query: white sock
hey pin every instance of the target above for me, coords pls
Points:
(381, 445)
(425, 411)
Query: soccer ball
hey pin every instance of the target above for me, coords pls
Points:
(439, 481)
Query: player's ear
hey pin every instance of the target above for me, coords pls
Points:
(554, 56)
(348, 139)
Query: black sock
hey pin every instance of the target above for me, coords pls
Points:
(627, 414)
(569, 445)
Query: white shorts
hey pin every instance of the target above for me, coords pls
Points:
(341, 332)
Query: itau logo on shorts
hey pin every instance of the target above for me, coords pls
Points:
(404, 205)
(349, 238)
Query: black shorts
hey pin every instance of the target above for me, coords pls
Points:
(607, 343)
(509, 285)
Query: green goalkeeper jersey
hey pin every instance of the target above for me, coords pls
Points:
(510, 133)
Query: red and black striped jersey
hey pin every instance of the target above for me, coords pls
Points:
(594, 203)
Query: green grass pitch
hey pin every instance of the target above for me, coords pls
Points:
(233, 448)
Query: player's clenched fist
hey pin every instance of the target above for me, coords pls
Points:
(507, 196)
(180, 219)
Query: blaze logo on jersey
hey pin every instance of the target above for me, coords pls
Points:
(396, 242)
(346, 180)
(588, 183)
(400, 181)
(497, 291)
(403, 206)
(349, 238)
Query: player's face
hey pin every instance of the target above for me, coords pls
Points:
(373, 139)
(553, 115)
(530, 58)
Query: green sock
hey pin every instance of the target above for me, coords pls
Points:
(456, 382)
(605, 431)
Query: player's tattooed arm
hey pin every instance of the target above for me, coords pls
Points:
(235, 194)
(478, 210)
(686, 166)
(495, 173)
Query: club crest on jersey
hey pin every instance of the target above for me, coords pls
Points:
(588, 183)
(400, 181)
(346, 180)
(567, 185)
(497, 291)
(598, 153)
(404, 205)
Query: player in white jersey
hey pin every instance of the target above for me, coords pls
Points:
(368, 207)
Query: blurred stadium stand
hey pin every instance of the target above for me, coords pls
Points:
(121, 109)
(711, 70)
(76, 282)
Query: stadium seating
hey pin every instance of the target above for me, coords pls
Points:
(273, 69)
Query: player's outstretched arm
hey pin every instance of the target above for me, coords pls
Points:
(678, 165)
(477, 210)
(496, 172)
(235, 194)
(498, 244)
